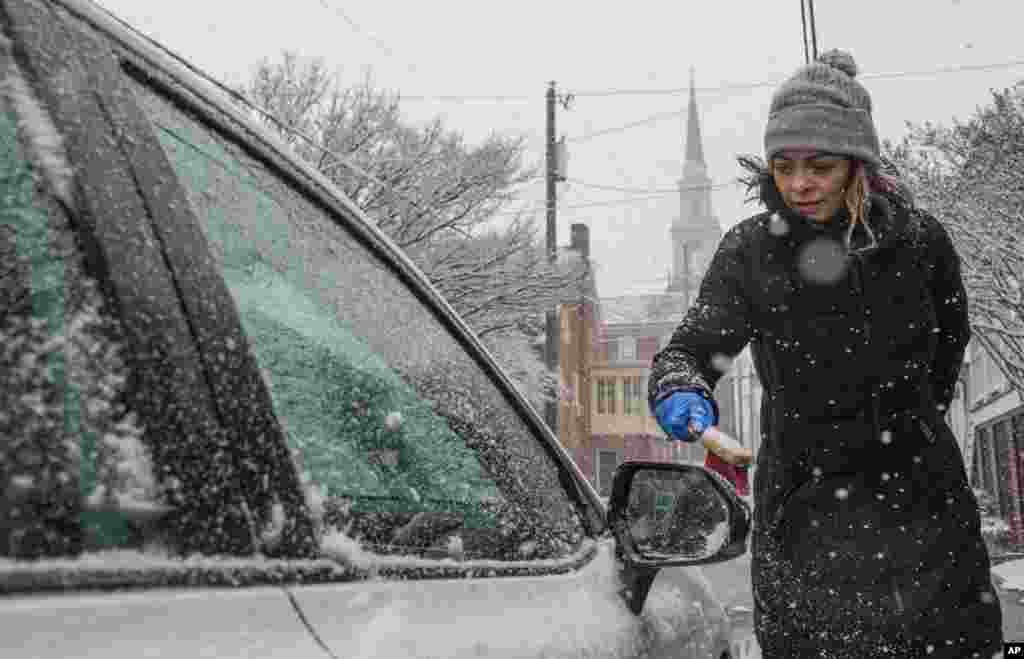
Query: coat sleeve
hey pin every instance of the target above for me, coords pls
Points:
(949, 298)
(717, 324)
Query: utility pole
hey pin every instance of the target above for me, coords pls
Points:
(814, 29)
(807, 11)
(803, 22)
(551, 180)
(807, 15)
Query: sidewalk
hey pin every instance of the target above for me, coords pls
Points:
(730, 582)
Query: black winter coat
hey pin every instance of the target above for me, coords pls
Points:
(867, 538)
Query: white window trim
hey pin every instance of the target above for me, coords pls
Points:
(577, 402)
(627, 348)
(602, 382)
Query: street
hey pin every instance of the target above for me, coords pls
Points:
(1013, 614)
(731, 583)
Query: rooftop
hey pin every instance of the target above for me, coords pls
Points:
(642, 309)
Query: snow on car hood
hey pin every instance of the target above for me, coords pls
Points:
(248, 623)
(575, 614)
(579, 614)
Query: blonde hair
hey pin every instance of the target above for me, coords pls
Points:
(857, 193)
(856, 198)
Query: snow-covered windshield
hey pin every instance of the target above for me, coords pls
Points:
(404, 442)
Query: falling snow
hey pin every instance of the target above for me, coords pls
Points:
(777, 226)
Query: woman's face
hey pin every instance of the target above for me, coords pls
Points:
(811, 183)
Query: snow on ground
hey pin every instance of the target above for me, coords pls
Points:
(1010, 575)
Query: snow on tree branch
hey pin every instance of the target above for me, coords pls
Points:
(971, 175)
(435, 195)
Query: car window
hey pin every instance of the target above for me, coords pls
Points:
(71, 459)
(399, 431)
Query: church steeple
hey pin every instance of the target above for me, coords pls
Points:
(695, 231)
(694, 145)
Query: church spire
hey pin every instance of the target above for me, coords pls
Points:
(695, 231)
(694, 145)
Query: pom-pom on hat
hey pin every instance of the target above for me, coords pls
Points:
(823, 108)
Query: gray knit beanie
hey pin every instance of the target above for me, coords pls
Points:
(823, 108)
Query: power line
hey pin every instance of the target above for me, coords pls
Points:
(503, 98)
(674, 190)
(617, 202)
(633, 124)
(746, 86)
(615, 188)
(677, 91)
(632, 200)
(357, 29)
(759, 85)
(242, 98)
(648, 282)
(413, 202)
(592, 204)
(962, 68)
(496, 98)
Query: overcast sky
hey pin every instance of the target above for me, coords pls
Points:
(512, 49)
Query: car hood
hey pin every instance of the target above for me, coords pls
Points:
(580, 614)
(249, 623)
(575, 614)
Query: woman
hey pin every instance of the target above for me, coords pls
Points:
(867, 537)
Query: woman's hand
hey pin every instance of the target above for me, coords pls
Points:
(685, 415)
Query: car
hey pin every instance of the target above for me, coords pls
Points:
(237, 421)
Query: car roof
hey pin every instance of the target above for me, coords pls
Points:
(153, 56)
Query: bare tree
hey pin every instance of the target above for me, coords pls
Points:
(435, 195)
(972, 175)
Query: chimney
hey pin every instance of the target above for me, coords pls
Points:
(579, 239)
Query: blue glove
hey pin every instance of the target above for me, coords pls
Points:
(685, 415)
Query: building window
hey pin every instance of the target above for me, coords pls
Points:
(976, 471)
(1002, 445)
(610, 349)
(605, 395)
(606, 461)
(627, 348)
(633, 395)
(646, 348)
(984, 461)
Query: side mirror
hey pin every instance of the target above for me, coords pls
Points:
(665, 515)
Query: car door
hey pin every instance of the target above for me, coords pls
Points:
(310, 402)
(95, 359)
(423, 467)
(420, 458)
